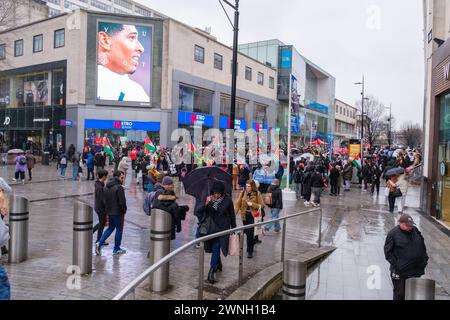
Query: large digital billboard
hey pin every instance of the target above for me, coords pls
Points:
(124, 63)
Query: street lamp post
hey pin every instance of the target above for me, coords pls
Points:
(390, 126)
(234, 68)
(362, 115)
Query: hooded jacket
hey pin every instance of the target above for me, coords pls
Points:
(406, 252)
(114, 195)
(99, 200)
(277, 196)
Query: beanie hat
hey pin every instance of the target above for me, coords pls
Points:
(218, 187)
(167, 181)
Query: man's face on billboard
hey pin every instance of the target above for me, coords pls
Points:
(121, 51)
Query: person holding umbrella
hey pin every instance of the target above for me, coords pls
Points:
(249, 201)
(219, 209)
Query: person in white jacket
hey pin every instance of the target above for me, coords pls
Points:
(402, 184)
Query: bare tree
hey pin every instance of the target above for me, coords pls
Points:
(374, 120)
(8, 9)
(410, 134)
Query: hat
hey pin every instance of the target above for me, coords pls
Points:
(218, 187)
(406, 218)
(167, 181)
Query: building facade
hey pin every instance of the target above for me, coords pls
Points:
(315, 87)
(344, 124)
(435, 197)
(55, 88)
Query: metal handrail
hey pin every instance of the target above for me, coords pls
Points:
(131, 287)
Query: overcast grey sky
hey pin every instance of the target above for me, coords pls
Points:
(344, 37)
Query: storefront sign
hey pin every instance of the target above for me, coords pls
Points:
(121, 125)
(41, 120)
(191, 118)
(238, 124)
(319, 107)
(66, 123)
(259, 126)
(7, 121)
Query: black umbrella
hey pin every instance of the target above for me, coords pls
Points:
(395, 172)
(198, 183)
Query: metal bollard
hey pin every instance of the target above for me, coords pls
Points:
(419, 289)
(18, 229)
(82, 236)
(294, 280)
(161, 225)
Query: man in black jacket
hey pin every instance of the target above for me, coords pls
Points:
(334, 177)
(316, 186)
(276, 205)
(406, 252)
(116, 207)
(99, 203)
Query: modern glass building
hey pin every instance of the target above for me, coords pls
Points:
(315, 86)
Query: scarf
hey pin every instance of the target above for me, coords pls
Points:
(216, 203)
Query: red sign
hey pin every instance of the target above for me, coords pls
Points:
(117, 125)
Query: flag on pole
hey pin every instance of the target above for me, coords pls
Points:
(149, 147)
(357, 162)
(107, 148)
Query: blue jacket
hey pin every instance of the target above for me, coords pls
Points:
(90, 161)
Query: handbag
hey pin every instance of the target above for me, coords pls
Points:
(397, 193)
(234, 245)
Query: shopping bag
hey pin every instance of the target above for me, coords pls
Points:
(258, 230)
(386, 192)
(233, 245)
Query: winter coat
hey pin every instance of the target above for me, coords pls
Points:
(241, 204)
(30, 161)
(90, 161)
(244, 175)
(123, 165)
(348, 171)
(20, 167)
(334, 174)
(306, 181)
(114, 195)
(99, 160)
(75, 160)
(223, 218)
(406, 252)
(99, 200)
(317, 180)
(277, 197)
(402, 184)
(298, 174)
(162, 165)
(259, 175)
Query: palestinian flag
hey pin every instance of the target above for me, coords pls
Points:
(107, 148)
(148, 146)
(357, 162)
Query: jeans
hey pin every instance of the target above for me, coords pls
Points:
(316, 192)
(100, 226)
(5, 287)
(250, 233)
(75, 173)
(115, 223)
(298, 190)
(215, 249)
(275, 215)
(63, 170)
(334, 187)
(376, 184)
(89, 173)
(391, 200)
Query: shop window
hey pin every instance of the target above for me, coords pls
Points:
(18, 48)
(261, 114)
(2, 51)
(195, 100)
(38, 43)
(58, 80)
(218, 61)
(271, 82)
(4, 93)
(225, 108)
(199, 54)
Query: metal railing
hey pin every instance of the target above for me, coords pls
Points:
(131, 287)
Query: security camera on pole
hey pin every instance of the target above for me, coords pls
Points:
(288, 194)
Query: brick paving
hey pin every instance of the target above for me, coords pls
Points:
(356, 223)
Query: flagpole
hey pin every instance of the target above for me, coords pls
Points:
(289, 135)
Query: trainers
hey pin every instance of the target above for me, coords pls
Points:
(98, 249)
(120, 251)
(306, 203)
(14, 179)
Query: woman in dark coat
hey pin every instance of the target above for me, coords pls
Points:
(220, 210)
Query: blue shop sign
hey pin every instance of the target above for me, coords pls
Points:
(225, 123)
(259, 126)
(318, 106)
(121, 125)
(190, 118)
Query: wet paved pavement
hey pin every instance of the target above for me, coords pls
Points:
(356, 223)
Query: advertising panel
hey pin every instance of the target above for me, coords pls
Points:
(354, 150)
(35, 92)
(124, 63)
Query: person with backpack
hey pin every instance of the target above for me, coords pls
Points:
(99, 203)
(63, 164)
(21, 163)
(274, 200)
(116, 208)
(298, 174)
(100, 161)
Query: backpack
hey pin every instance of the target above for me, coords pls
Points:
(22, 161)
(268, 198)
(148, 202)
(63, 161)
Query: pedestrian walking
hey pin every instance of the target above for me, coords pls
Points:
(116, 208)
(340, 181)
(31, 161)
(306, 184)
(219, 210)
(244, 175)
(298, 175)
(21, 163)
(392, 186)
(250, 201)
(90, 166)
(63, 164)
(334, 179)
(402, 184)
(99, 204)
(406, 253)
(316, 186)
(75, 166)
(100, 161)
(348, 175)
(376, 176)
(274, 200)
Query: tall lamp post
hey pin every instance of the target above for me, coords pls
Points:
(234, 67)
(390, 126)
(362, 115)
